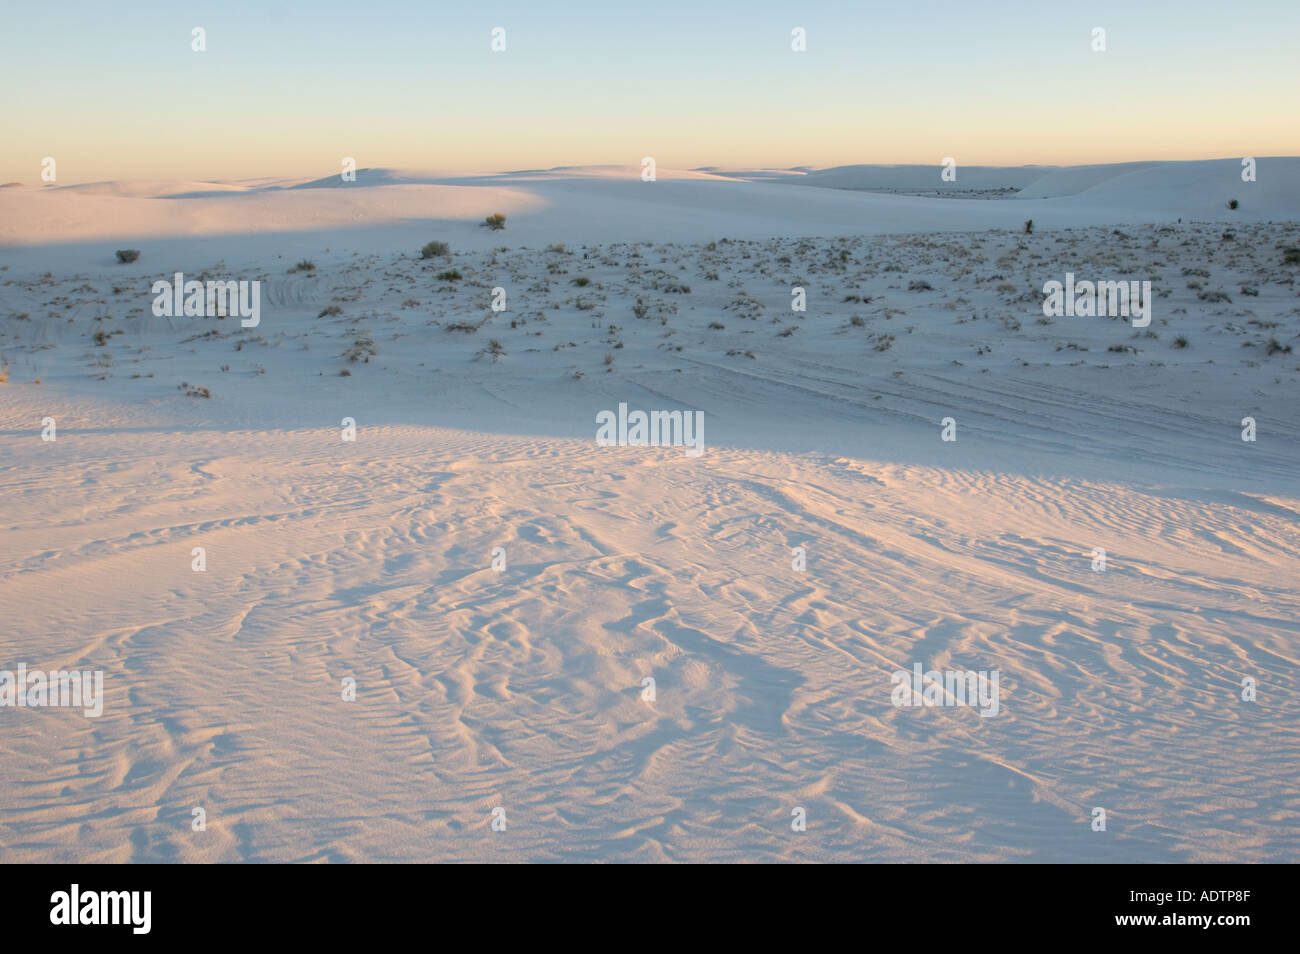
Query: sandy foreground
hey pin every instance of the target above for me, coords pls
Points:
(520, 686)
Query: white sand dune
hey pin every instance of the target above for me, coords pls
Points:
(912, 178)
(522, 689)
(386, 208)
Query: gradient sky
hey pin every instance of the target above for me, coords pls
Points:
(113, 90)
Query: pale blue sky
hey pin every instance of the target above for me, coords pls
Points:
(113, 90)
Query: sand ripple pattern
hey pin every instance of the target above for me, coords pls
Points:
(522, 688)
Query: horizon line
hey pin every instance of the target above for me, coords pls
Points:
(716, 169)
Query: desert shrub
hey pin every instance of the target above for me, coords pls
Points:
(436, 250)
(920, 286)
(330, 310)
(1291, 256)
(451, 275)
(582, 281)
(362, 348)
(306, 265)
(127, 255)
(496, 221)
(1232, 204)
(1276, 347)
(1029, 226)
(1180, 341)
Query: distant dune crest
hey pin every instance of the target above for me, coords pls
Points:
(615, 203)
